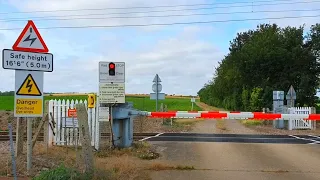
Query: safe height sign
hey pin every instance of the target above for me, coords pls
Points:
(29, 58)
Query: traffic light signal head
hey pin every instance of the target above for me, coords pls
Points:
(112, 69)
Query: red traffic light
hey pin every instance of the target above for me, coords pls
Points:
(112, 69)
(111, 65)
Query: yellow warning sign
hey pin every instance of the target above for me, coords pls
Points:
(28, 106)
(29, 87)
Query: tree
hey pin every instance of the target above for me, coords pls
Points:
(263, 60)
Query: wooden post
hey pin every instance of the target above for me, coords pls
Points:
(46, 125)
(29, 144)
(87, 153)
(35, 137)
(19, 136)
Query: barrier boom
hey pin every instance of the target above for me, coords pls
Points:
(236, 115)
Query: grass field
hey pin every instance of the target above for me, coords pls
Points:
(141, 103)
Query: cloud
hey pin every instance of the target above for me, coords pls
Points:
(182, 64)
(184, 56)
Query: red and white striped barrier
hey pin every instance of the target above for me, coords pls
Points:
(210, 112)
(195, 116)
(233, 115)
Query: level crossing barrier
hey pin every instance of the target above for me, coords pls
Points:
(63, 132)
(234, 115)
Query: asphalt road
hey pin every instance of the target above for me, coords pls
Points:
(236, 138)
(238, 156)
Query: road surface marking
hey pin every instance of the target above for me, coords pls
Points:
(314, 136)
(313, 141)
(150, 137)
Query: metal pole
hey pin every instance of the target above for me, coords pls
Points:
(192, 106)
(75, 139)
(91, 126)
(29, 144)
(157, 93)
(111, 126)
(12, 152)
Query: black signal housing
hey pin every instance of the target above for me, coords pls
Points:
(112, 69)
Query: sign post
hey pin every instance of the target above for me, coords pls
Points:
(291, 97)
(111, 91)
(29, 58)
(278, 98)
(157, 88)
(192, 101)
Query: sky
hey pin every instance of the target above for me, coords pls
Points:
(183, 55)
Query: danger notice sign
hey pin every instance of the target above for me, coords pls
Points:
(27, 107)
(29, 94)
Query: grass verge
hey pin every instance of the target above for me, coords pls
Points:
(140, 103)
(65, 163)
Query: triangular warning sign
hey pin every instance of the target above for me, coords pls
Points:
(29, 87)
(30, 40)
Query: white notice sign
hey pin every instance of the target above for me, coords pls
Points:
(112, 93)
(29, 61)
(103, 113)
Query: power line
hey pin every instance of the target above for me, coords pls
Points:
(170, 10)
(155, 11)
(161, 16)
(166, 24)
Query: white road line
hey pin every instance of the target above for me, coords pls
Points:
(313, 141)
(151, 137)
(314, 136)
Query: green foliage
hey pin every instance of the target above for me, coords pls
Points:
(7, 93)
(263, 60)
(255, 99)
(61, 173)
(141, 103)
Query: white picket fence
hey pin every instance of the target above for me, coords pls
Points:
(65, 134)
(300, 123)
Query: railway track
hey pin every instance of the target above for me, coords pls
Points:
(4, 136)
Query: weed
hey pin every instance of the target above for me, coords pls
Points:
(149, 155)
(61, 173)
(179, 167)
(221, 124)
(162, 167)
(252, 122)
(139, 149)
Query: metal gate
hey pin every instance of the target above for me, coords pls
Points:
(300, 123)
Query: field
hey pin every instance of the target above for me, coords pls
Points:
(140, 102)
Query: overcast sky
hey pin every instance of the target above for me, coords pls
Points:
(184, 56)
